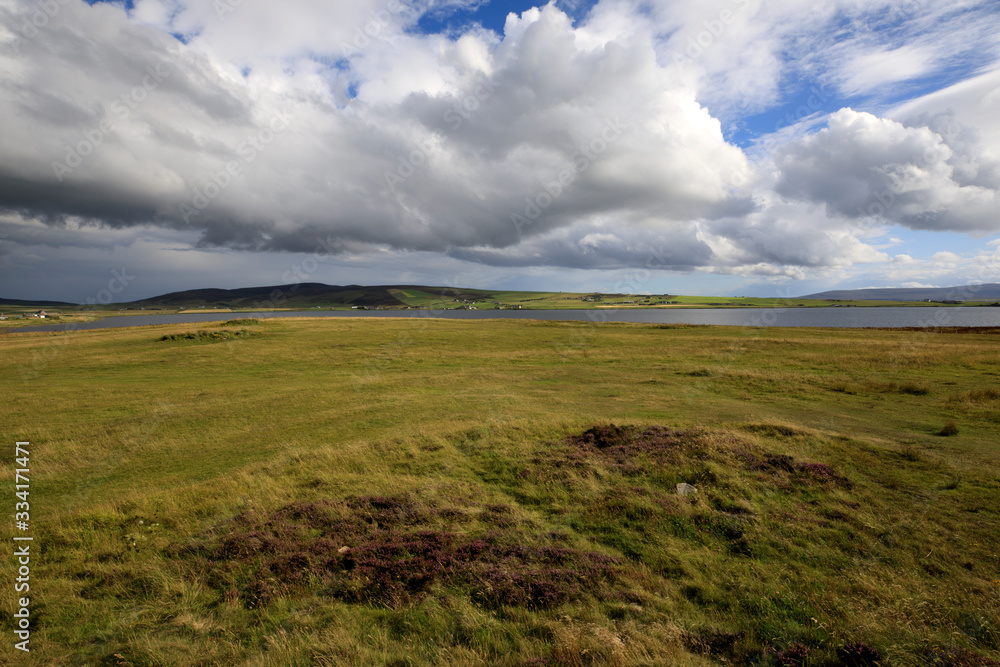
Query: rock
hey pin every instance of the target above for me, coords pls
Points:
(343, 550)
(684, 489)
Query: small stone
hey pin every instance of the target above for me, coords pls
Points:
(343, 550)
(685, 489)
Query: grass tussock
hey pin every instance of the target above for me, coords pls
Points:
(909, 388)
(948, 429)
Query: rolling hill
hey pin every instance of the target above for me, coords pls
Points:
(20, 303)
(309, 295)
(984, 292)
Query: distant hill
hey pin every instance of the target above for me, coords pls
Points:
(984, 292)
(303, 295)
(300, 295)
(35, 304)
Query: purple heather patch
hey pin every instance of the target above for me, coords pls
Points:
(795, 655)
(959, 657)
(381, 549)
(778, 463)
(858, 654)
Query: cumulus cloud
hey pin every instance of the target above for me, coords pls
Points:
(971, 103)
(443, 149)
(862, 166)
(944, 268)
(787, 235)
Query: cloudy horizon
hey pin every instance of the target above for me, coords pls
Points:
(731, 147)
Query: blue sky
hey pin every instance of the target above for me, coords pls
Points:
(799, 147)
(490, 15)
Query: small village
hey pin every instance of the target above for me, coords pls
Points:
(37, 315)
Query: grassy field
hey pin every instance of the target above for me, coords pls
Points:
(444, 492)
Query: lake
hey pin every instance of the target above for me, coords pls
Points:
(848, 317)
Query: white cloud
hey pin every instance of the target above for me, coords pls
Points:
(938, 270)
(972, 103)
(868, 71)
(438, 150)
(862, 166)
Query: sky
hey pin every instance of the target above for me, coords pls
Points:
(717, 147)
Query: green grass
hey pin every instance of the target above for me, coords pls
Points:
(441, 492)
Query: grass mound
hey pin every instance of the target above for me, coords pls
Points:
(210, 336)
(241, 322)
(615, 485)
